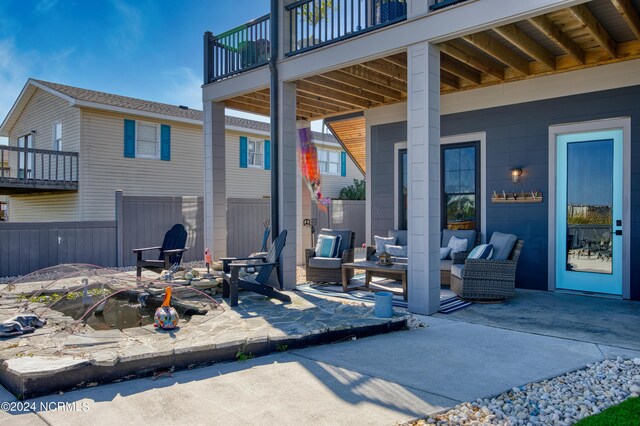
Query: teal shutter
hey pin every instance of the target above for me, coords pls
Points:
(129, 139)
(165, 142)
(243, 152)
(267, 155)
(343, 163)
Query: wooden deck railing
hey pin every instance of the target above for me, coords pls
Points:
(31, 165)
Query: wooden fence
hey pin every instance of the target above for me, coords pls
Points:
(342, 214)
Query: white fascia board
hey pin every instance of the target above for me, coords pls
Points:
(131, 111)
(467, 18)
(240, 84)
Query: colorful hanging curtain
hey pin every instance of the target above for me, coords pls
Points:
(309, 168)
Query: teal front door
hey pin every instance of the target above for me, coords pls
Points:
(589, 212)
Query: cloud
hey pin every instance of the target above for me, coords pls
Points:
(44, 6)
(128, 31)
(182, 87)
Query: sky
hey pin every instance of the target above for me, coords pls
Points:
(148, 49)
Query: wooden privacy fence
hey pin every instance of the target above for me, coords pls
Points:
(245, 217)
(27, 247)
(342, 214)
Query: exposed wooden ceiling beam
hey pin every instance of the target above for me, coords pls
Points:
(399, 60)
(458, 68)
(449, 79)
(582, 13)
(327, 93)
(376, 77)
(499, 51)
(303, 102)
(345, 88)
(365, 84)
(387, 68)
(322, 102)
(463, 53)
(551, 31)
(248, 107)
(629, 14)
(522, 41)
(250, 98)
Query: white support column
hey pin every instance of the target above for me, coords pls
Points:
(215, 197)
(288, 180)
(423, 134)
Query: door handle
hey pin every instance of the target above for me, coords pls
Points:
(618, 231)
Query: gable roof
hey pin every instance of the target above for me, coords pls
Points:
(108, 101)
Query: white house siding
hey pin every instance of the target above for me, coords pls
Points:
(106, 169)
(42, 110)
(256, 182)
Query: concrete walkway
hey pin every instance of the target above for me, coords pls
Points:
(378, 380)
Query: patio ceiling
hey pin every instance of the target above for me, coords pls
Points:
(592, 34)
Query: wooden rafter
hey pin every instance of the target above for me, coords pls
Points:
(376, 77)
(387, 68)
(449, 79)
(629, 14)
(321, 102)
(368, 85)
(522, 41)
(345, 88)
(327, 93)
(463, 53)
(459, 69)
(499, 51)
(242, 106)
(399, 60)
(583, 14)
(552, 32)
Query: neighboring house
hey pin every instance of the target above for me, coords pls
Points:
(445, 103)
(70, 149)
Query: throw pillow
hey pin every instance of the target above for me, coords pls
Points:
(397, 251)
(326, 246)
(383, 241)
(336, 248)
(457, 244)
(483, 251)
(444, 252)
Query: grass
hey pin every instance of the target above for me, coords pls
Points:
(625, 414)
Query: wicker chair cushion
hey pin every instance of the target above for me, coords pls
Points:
(444, 252)
(325, 262)
(398, 251)
(401, 236)
(445, 265)
(457, 245)
(467, 234)
(502, 245)
(381, 242)
(344, 233)
(456, 270)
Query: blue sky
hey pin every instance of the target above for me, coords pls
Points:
(149, 49)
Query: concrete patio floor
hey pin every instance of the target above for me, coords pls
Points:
(376, 380)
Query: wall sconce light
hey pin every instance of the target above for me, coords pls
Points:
(33, 132)
(515, 174)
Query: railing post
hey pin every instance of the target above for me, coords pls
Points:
(119, 229)
(207, 57)
(2, 160)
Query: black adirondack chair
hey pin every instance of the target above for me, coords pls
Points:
(171, 251)
(258, 284)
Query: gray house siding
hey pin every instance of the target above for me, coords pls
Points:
(383, 139)
(518, 136)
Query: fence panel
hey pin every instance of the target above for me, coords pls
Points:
(245, 227)
(342, 214)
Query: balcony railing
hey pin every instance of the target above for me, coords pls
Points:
(37, 170)
(440, 4)
(316, 23)
(240, 49)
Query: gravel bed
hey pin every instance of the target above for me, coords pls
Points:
(562, 400)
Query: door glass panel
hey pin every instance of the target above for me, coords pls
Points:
(402, 190)
(589, 206)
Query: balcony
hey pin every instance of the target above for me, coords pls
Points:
(30, 170)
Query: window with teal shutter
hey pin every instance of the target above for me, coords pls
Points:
(165, 142)
(267, 155)
(129, 139)
(243, 152)
(343, 163)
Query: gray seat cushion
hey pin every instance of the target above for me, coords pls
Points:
(469, 235)
(456, 269)
(325, 262)
(344, 233)
(502, 245)
(401, 236)
(445, 265)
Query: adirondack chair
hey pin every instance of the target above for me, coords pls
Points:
(258, 284)
(171, 251)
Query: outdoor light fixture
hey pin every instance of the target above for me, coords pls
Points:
(515, 174)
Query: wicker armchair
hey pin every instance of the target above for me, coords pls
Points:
(333, 274)
(488, 279)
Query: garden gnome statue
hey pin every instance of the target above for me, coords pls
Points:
(166, 317)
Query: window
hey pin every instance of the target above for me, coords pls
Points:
(25, 160)
(402, 189)
(255, 155)
(460, 196)
(329, 161)
(57, 136)
(147, 145)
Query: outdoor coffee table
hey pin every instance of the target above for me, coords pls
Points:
(370, 268)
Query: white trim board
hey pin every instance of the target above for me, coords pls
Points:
(623, 123)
